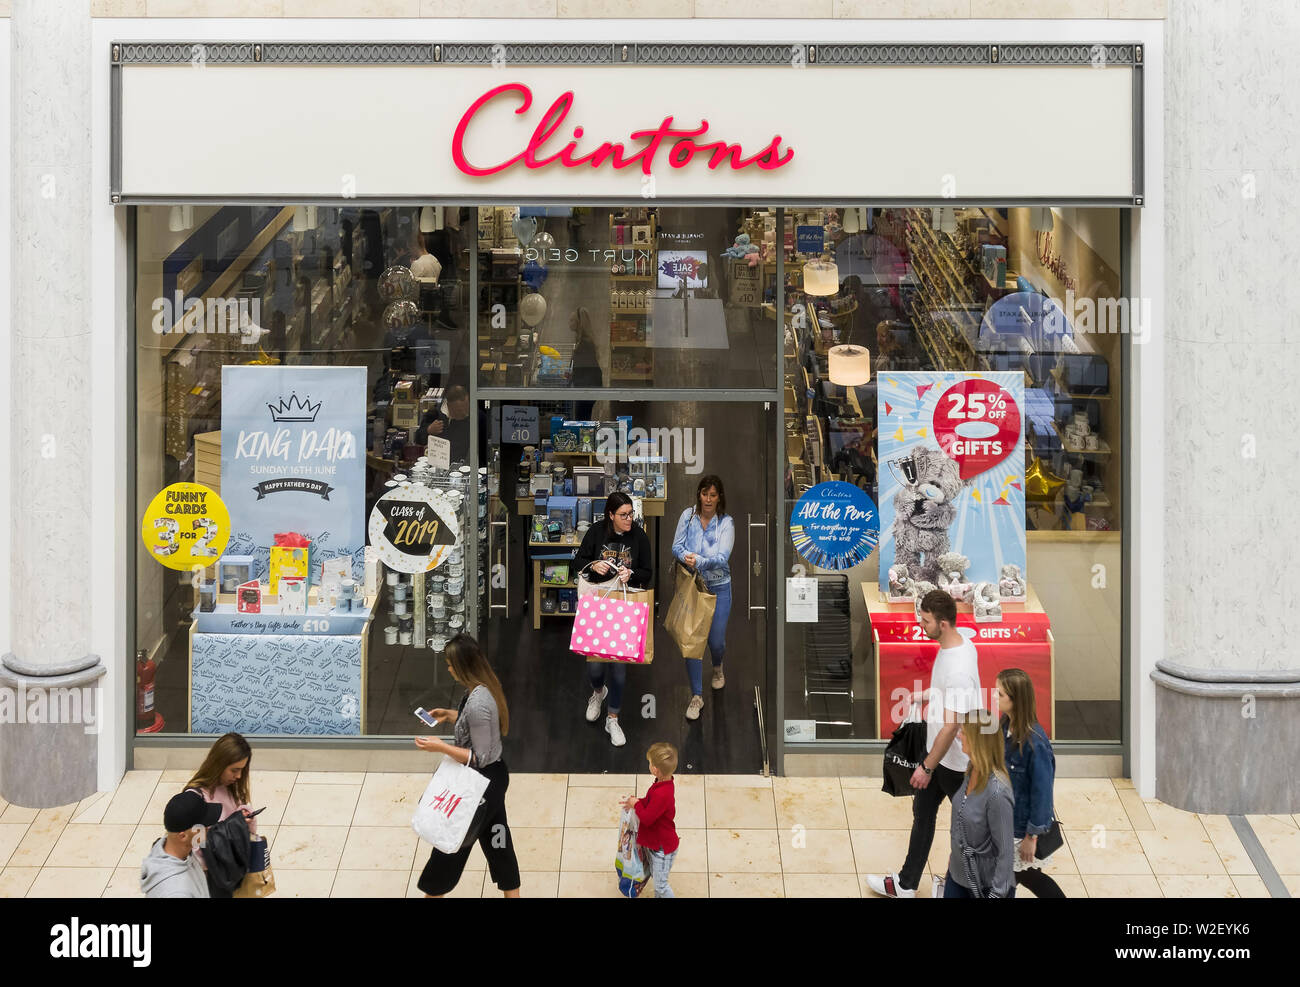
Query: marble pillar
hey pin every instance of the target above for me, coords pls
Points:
(44, 763)
(1232, 116)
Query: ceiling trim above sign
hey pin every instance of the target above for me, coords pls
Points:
(601, 53)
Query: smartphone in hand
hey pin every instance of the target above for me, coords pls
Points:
(426, 717)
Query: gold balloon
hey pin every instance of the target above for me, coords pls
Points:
(1041, 484)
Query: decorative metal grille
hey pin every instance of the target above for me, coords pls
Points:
(693, 54)
(1097, 54)
(537, 54)
(903, 54)
(347, 53)
(181, 52)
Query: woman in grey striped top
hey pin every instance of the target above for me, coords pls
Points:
(982, 861)
(481, 720)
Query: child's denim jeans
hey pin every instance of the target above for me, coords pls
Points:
(660, 864)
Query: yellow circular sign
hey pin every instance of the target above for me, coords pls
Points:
(186, 526)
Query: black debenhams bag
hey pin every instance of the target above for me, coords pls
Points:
(903, 756)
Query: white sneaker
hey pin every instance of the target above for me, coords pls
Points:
(615, 732)
(887, 886)
(719, 680)
(594, 704)
(693, 707)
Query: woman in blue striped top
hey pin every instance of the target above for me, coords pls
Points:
(704, 539)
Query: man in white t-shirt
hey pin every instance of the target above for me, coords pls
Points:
(954, 690)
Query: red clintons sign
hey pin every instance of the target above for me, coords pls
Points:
(683, 146)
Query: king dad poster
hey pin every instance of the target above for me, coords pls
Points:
(952, 469)
(293, 460)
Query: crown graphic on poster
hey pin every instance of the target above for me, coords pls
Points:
(294, 410)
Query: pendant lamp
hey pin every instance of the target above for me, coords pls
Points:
(850, 366)
(428, 220)
(821, 277)
(180, 219)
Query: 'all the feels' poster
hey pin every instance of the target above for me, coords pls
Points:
(952, 457)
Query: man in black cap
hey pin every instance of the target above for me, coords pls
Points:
(172, 870)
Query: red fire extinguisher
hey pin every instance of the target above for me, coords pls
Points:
(145, 669)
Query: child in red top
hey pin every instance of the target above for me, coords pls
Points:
(656, 832)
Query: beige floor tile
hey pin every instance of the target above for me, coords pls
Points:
(879, 851)
(1122, 886)
(746, 885)
(688, 799)
(331, 778)
(41, 836)
(390, 799)
(1062, 863)
(15, 814)
(1122, 783)
(370, 884)
(92, 808)
(625, 782)
(684, 885)
(588, 884)
(90, 846)
(1250, 886)
(737, 781)
(1232, 854)
(1292, 882)
(1071, 886)
(940, 851)
(869, 808)
(588, 808)
(470, 884)
(1121, 853)
(272, 779)
(857, 783)
(1182, 851)
(379, 848)
(321, 805)
(140, 843)
(70, 882)
(1082, 803)
(538, 849)
(822, 886)
(588, 850)
(532, 884)
(692, 852)
(816, 851)
(271, 791)
(814, 803)
(15, 881)
(1197, 886)
(176, 776)
(152, 813)
(125, 883)
(744, 851)
(291, 883)
(132, 797)
(308, 848)
(1296, 817)
(537, 800)
(748, 807)
(11, 834)
(1136, 809)
(1168, 819)
(1280, 841)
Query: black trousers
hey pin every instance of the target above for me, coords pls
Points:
(443, 871)
(925, 810)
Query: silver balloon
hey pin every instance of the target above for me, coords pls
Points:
(532, 309)
(401, 314)
(398, 283)
(543, 242)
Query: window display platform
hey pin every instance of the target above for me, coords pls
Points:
(904, 656)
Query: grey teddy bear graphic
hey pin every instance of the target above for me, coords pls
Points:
(923, 512)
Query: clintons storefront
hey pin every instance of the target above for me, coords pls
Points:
(404, 315)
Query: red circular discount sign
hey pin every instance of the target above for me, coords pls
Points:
(976, 424)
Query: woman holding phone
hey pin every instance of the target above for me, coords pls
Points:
(223, 779)
(704, 539)
(613, 549)
(480, 721)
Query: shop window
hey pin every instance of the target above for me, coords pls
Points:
(890, 313)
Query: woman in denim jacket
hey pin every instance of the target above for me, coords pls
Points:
(704, 539)
(1032, 767)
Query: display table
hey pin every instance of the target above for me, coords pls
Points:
(301, 675)
(550, 551)
(904, 656)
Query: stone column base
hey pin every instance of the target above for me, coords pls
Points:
(1226, 739)
(49, 736)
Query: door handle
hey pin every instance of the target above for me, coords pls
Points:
(755, 561)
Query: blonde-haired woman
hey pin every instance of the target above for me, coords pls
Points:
(481, 720)
(223, 779)
(983, 848)
(1032, 767)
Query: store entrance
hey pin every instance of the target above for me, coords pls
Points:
(658, 452)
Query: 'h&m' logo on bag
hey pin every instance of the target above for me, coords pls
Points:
(445, 802)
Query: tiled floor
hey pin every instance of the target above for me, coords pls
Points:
(348, 836)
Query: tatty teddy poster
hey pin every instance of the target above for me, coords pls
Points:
(952, 472)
